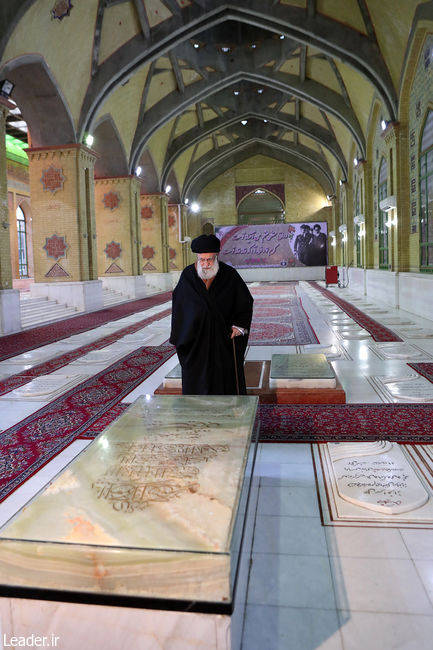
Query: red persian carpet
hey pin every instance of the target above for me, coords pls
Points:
(14, 344)
(406, 423)
(279, 318)
(377, 331)
(15, 381)
(33, 442)
(424, 369)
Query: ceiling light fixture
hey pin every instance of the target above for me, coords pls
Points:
(6, 88)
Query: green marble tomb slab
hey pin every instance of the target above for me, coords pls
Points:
(301, 371)
(173, 379)
(153, 508)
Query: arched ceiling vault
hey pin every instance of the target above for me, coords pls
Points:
(205, 171)
(172, 79)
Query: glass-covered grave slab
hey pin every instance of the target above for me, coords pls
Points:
(301, 371)
(154, 508)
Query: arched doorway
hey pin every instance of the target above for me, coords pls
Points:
(260, 207)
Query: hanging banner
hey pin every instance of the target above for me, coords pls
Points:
(274, 245)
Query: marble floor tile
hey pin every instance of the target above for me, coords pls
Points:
(13, 411)
(291, 581)
(285, 628)
(285, 453)
(376, 631)
(425, 572)
(289, 536)
(288, 501)
(366, 542)
(285, 474)
(379, 585)
(419, 543)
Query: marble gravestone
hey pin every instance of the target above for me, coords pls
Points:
(301, 371)
(376, 476)
(150, 515)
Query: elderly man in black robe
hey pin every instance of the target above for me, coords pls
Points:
(211, 319)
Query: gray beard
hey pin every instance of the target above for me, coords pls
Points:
(207, 274)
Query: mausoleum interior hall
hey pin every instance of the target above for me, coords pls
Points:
(300, 132)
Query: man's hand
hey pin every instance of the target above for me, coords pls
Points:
(235, 332)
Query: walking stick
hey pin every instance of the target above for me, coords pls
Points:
(236, 366)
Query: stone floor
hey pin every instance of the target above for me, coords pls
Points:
(310, 586)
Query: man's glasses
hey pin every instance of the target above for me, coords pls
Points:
(206, 260)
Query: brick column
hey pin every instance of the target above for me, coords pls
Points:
(117, 216)
(154, 240)
(10, 319)
(64, 229)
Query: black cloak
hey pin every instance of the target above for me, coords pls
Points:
(201, 324)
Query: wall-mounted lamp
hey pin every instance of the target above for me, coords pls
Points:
(5, 224)
(195, 207)
(6, 88)
(342, 181)
(138, 170)
(168, 189)
(89, 139)
(330, 197)
(388, 203)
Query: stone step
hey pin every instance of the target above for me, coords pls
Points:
(31, 303)
(48, 317)
(111, 297)
(40, 308)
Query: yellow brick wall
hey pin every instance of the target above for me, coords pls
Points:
(114, 211)
(151, 214)
(67, 212)
(175, 254)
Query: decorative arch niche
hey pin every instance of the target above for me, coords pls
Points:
(260, 207)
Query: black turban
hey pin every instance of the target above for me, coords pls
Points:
(206, 244)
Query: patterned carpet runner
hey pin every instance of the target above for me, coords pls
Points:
(405, 423)
(15, 381)
(377, 331)
(279, 318)
(424, 369)
(30, 444)
(14, 344)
